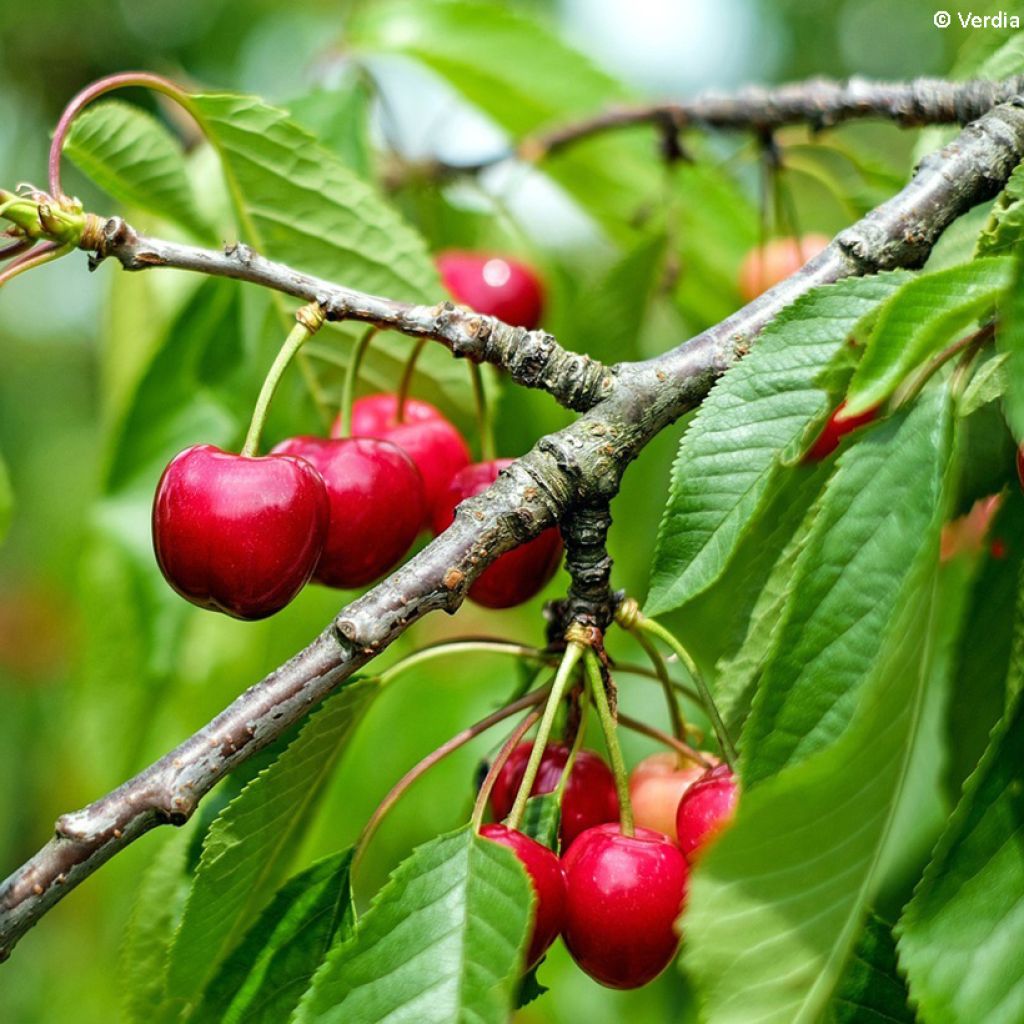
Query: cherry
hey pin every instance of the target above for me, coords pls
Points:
(765, 266)
(494, 285)
(706, 809)
(376, 505)
(517, 575)
(236, 534)
(835, 430)
(434, 445)
(589, 798)
(1020, 465)
(656, 786)
(624, 895)
(548, 881)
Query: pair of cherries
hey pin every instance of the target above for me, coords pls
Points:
(614, 898)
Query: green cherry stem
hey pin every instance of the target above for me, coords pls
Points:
(574, 749)
(468, 646)
(510, 744)
(595, 677)
(485, 427)
(460, 739)
(573, 653)
(348, 393)
(308, 322)
(405, 384)
(675, 712)
(684, 750)
(47, 252)
(724, 741)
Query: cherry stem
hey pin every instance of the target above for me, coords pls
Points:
(460, 739)
(724, 740)
(574, 749)
(483, 419)
(47, 252)
(510, 744)
(309, 319)
(348, 392)
(661, 670)
(127, 79)
(405, 384)
(596, 679)
(17, 248)
(969, 344)
(573, 653)
(467, 646)
(684, 750)
(681, 688)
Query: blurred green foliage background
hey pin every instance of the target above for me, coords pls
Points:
(101, 668)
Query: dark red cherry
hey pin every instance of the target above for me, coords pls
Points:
(624, 895)
(376, 505)
(1020, 465)
(516, 575)
(548, 880)
(434, 445)
(835, 430)
(590, 797)
(494, 285)
(237, 534)
(705, 810)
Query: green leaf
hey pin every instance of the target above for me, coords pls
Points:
(989, 382)
(960, 937)
(872, 991)
(848, 585)
(919, 320)
(251, 843)
(264, 979)
(1005, 225)
(442, 942)
(157, 911)
(6, 500)
(755, 420)
(1010, 341)
(131, 156)
(777, 905)
(339, 118)
(542, 819)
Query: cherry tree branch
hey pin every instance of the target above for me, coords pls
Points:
(575, 471)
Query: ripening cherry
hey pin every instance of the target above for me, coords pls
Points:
(765, 266)
(376, 505)
(517, 575)
(835, 430)
(548, 881)
(494, 285)
(238, 534)
(624, 895)
(657, 784)
(589, 799)
(706, 809)
(432, 442)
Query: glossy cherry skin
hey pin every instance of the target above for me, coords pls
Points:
(590, 798)
(766, 266)
(835, 430)
(657, 784)
(706, 809)
(494, 285)
(624, 895)
(376, 505)
(517, 575)
(548, 881)
(236, 534)
(434, 445)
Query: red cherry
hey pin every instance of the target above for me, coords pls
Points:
(548, 881)
(434, 445)
(589, 799)
(657, 784)
(835, 430)
(376, 505)
(236, 534)
(516, 575)
(494, 286)
(1020, 465)
(706, 809)
(624, 895)
(766, 266)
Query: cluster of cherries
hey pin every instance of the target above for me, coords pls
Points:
(614, 898)
(243, 534)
